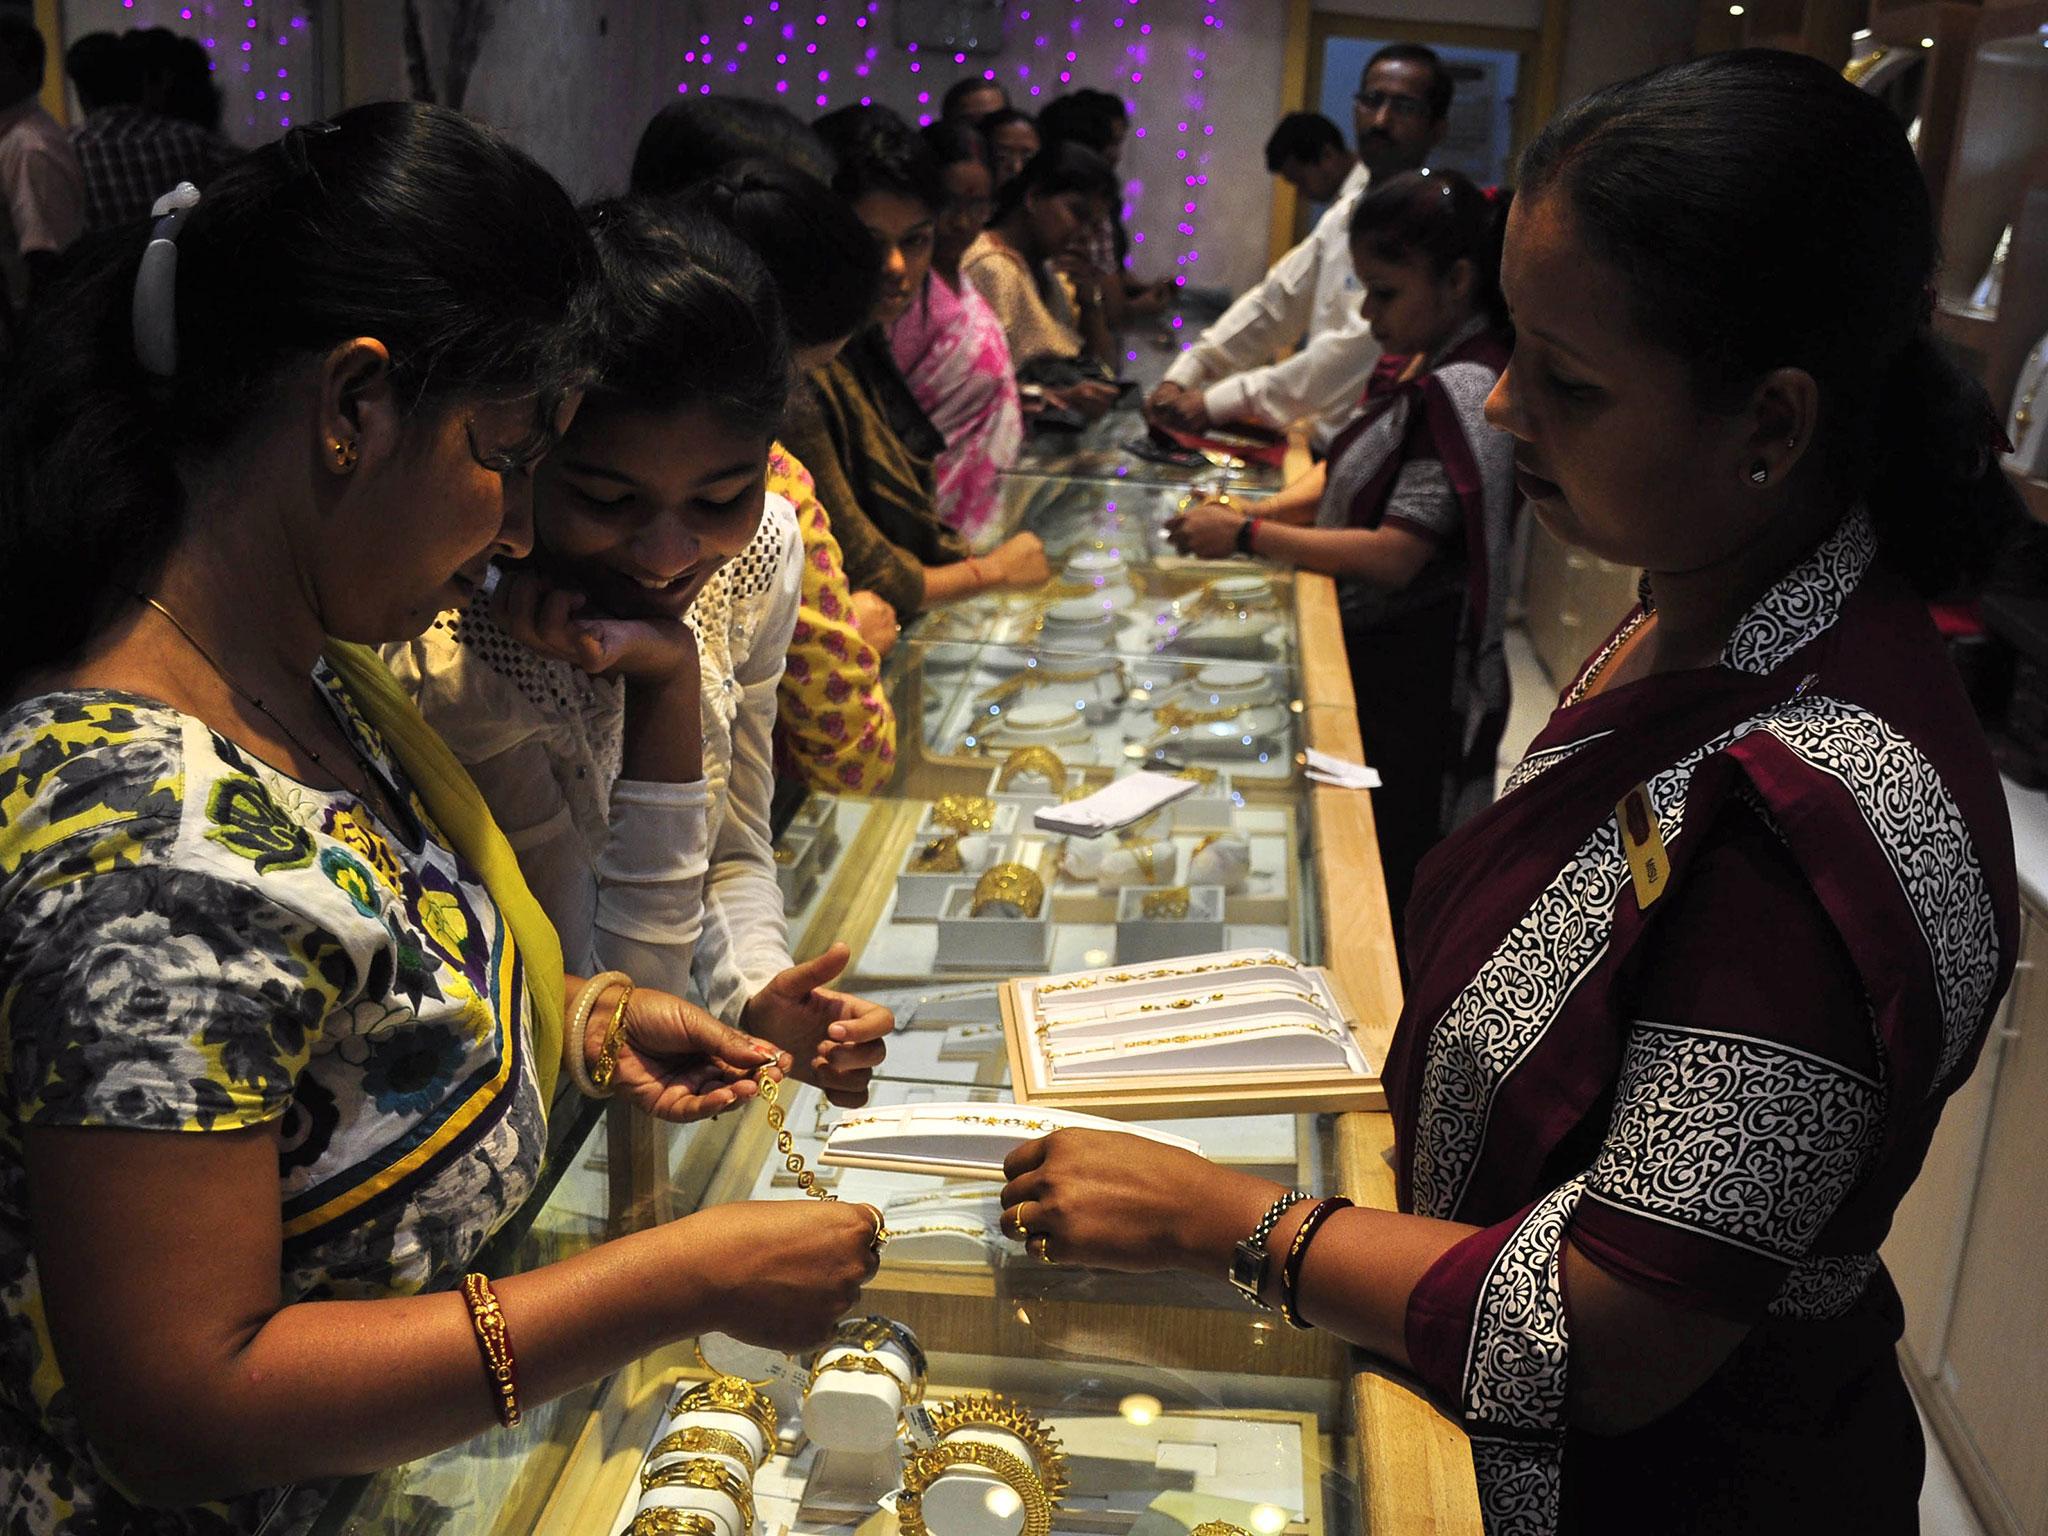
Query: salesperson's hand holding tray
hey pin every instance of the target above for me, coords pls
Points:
(1242, 1031)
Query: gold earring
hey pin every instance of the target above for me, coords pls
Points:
(345, 451)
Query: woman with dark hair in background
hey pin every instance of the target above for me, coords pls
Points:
(1688, 1001)
(616, 699)
(1012, 139)
(1412, 512)
(1053, 320)
(836, 731)
(952, 351)
(1099, 121)
(858, 426)
(283, 1020)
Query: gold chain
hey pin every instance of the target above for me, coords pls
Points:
(1118, 978)
(1328, 1032)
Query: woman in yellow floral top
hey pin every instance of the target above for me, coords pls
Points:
(837, 730)
(279, 1031)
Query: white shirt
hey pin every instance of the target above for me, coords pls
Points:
(1310, 292)
(666, 882)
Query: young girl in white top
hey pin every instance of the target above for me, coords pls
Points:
(615, 697)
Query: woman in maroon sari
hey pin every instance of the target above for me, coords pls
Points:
(1688, 1000)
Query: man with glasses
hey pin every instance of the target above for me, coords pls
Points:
(1235, 372)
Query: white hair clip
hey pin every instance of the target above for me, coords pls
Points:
(156, 284)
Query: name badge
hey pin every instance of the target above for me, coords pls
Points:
(1647, 862)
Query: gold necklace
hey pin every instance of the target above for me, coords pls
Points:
(255, 700)
(1117, 1047)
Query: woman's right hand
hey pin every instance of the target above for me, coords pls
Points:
(782, 1271)
(1020, 561)
(1092, 398)
(555, 622)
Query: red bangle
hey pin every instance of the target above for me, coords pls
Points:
(974, 565)
(1297, 1251)
(494, 1343)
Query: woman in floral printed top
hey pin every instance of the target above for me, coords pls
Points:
(276, 1065)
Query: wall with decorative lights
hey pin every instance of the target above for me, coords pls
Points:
(266, 54)
(575, 82)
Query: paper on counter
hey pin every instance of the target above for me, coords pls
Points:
(1121, 803)
(1340, 773)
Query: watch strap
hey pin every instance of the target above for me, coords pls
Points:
(1249, 1259)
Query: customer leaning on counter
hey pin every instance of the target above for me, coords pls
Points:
(1688, 1000)
(281, 1019)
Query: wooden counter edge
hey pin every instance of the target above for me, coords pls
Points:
(1411, 1467)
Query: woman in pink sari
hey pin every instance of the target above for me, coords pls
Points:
(951, 349)
(1688, 1000)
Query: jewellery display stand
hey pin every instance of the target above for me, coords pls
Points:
(903, 924)
(1143, 936)
(1201, 1035)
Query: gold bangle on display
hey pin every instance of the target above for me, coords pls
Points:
(926, 1467)
(866, 1365)
(1202, 776)
(1015, 886)
(732, 1394)
(697, 1439)
(965, 813)
(697, 1348)
(940, 856)
(711, 1476)
(1219, 1528)
(607, 1066)
(665, 1521)
(1171, 903)
(1146, 857)
(1042, 761)
(991, 1410)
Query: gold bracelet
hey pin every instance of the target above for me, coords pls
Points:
(494, 1340)
(1014, 885)
(1118, 978)
(866, 1365)
(940, 856)
(1203, 776)
(711, 1476)
(664, 1520)
(925, 1468)
(1219, 1528)
(965, 813)
(732, 1394)
(577, 1031)
(1042, 761)
(607, 1066)
(696, 1439)
(1170, 903)
(991, 1410)
(1175, 716)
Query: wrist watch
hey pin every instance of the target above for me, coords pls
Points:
(1248, 1260)
(1244, 535)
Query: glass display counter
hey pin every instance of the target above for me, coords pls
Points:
(1176, 1401)
(1119, 448)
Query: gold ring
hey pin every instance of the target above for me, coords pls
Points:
(1040, 1248)
(925, 1468)
(711, 1476)
(1040, 761)
(940, 856)
(731, 1394)
(1170, 903)
(1015, 886)
(965, 813)
(695, 1439)
(882, 1234)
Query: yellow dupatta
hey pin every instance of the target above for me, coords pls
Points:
(457, 806)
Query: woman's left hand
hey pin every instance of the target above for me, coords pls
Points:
(1113, 1201)
(835, 1038)
(1207, 531)
(676, 1062)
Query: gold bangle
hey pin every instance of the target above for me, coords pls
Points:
(494, 1341)
(866, 1365)
(607, 1066)
(940, 856)
(710, 1475)
(992, 1410)
(925, 1468)
(1014, 885)
(1170, 903)
(697, 1349)
(732, 1394)
(965, 813)
(577, 1031)
(696, 1439)
(1042, 761)
(1219, 1528)
(664, 1520)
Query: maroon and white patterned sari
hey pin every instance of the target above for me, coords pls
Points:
(1719, 1099)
